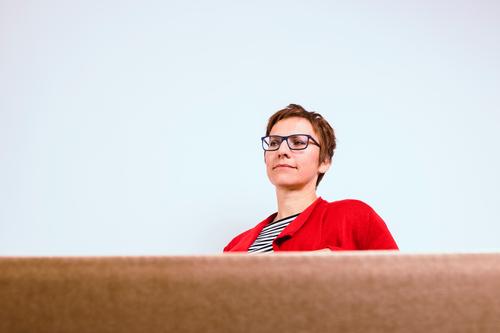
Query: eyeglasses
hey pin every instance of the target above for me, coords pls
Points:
(294, 141)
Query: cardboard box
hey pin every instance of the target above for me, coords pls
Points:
(293, 292)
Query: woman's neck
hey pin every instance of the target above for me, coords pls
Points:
(291, 202)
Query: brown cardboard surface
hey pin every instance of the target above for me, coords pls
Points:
(294, 292)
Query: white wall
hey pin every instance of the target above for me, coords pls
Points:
(133, 127)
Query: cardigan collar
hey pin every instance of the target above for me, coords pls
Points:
(299, 221)
(291, 229)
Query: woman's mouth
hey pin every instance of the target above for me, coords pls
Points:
(283, 166)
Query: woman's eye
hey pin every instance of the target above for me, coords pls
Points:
(273, 143)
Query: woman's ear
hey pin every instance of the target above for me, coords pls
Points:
(324, 166)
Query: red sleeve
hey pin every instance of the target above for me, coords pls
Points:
(229, 246)
(377, 236)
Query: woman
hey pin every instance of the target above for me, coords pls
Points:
(298, 150)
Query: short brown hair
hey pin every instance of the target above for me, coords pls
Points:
(326, 134)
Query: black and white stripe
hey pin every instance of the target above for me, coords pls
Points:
(264, 242)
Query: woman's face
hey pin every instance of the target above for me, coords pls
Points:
(294, 169)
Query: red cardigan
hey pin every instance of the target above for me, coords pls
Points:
(338, 225)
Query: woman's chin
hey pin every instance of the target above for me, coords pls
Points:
(288, 185)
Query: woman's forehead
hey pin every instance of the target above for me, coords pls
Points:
(292, 125)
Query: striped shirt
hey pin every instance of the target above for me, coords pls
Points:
(264, 242)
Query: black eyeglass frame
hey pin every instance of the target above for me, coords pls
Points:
(285, 138)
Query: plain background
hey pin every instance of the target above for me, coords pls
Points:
(133, 127)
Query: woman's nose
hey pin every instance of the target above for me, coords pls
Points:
(283, 149)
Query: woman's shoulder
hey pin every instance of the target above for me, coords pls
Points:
(367, 228)
(349, 211)
(353, 205)
(250, 233)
